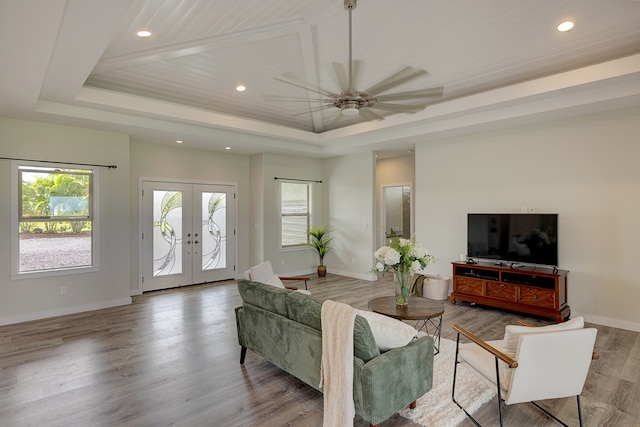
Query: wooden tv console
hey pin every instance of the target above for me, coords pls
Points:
(541, 291)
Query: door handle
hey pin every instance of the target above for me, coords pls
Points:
(188, 242)
(196, 242)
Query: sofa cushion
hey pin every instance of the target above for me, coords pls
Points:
(307, 310)
(304, 309)
(388, 332)
(364, 344)
(267, 297)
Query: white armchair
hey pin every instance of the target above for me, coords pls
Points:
(530, 363)
(263, 273)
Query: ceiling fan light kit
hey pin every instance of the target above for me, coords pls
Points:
(352, 102)
(350, 110)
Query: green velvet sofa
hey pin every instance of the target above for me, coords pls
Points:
(284, 327)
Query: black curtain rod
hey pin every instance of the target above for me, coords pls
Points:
(294, 179)
(60, 163)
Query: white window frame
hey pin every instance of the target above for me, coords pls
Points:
(309, 215)
(15, 222)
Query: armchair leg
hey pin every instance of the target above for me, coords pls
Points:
(453, 388)
(579, 410)
(499, 394)
(556, 418)
(413, 404)
(243, 353)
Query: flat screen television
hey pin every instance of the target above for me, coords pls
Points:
(530, 238)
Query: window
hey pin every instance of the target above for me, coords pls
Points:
(55, 219)
(296, 213)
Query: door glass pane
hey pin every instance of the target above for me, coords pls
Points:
(167, 232)
(214, 230)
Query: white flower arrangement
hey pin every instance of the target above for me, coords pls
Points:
(403, 255)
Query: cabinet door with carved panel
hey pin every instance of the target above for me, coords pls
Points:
(469, 286)
(502, 291)
(537, 296)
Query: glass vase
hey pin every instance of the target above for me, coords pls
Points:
(401, 283)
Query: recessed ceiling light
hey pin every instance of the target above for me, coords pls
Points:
(143, 33)
(179, 141)
(227, 148)
(565, 26)
(241, 88)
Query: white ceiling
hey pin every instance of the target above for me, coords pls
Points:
(501, 62)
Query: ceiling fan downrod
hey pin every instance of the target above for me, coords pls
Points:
(350, 108)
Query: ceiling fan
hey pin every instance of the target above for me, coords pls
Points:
(352, 102)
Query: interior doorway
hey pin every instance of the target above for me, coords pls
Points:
(188, 234)
(395, 176)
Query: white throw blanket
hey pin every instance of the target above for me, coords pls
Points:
(336, 370)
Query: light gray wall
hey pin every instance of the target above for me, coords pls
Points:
(350, 201)
(286, 261)
(584, 169)
(256, 211)
(185, 164)
(33, 298)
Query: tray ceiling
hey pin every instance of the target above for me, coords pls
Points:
(200, 50)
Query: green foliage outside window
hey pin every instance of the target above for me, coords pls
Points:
(55, 202)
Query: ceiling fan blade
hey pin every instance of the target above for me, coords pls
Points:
(404, 75)
(343, 77)
(336, 120)
(424, 93)
(398, 108)
(356, 69)
(369, 115)
(303, 85)
(313, 110)
(287, 99)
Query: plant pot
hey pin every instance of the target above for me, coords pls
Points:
(322, 270)
(435, 286)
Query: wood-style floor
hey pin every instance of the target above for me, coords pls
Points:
(172, 359)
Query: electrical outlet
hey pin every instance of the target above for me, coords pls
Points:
(532, 210)
(63, 290)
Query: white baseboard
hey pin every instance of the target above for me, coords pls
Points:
(10, 320)
(361, 276)
(606, 321)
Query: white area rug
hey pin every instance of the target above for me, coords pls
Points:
(436, 409)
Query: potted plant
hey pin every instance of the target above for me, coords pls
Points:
(320, 242)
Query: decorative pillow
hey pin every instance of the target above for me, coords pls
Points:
(275, 281)
(512, 333)
(388, 332)
(262, 272)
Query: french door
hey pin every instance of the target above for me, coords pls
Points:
(188, 234)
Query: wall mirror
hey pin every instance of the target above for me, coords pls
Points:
(397, 211)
